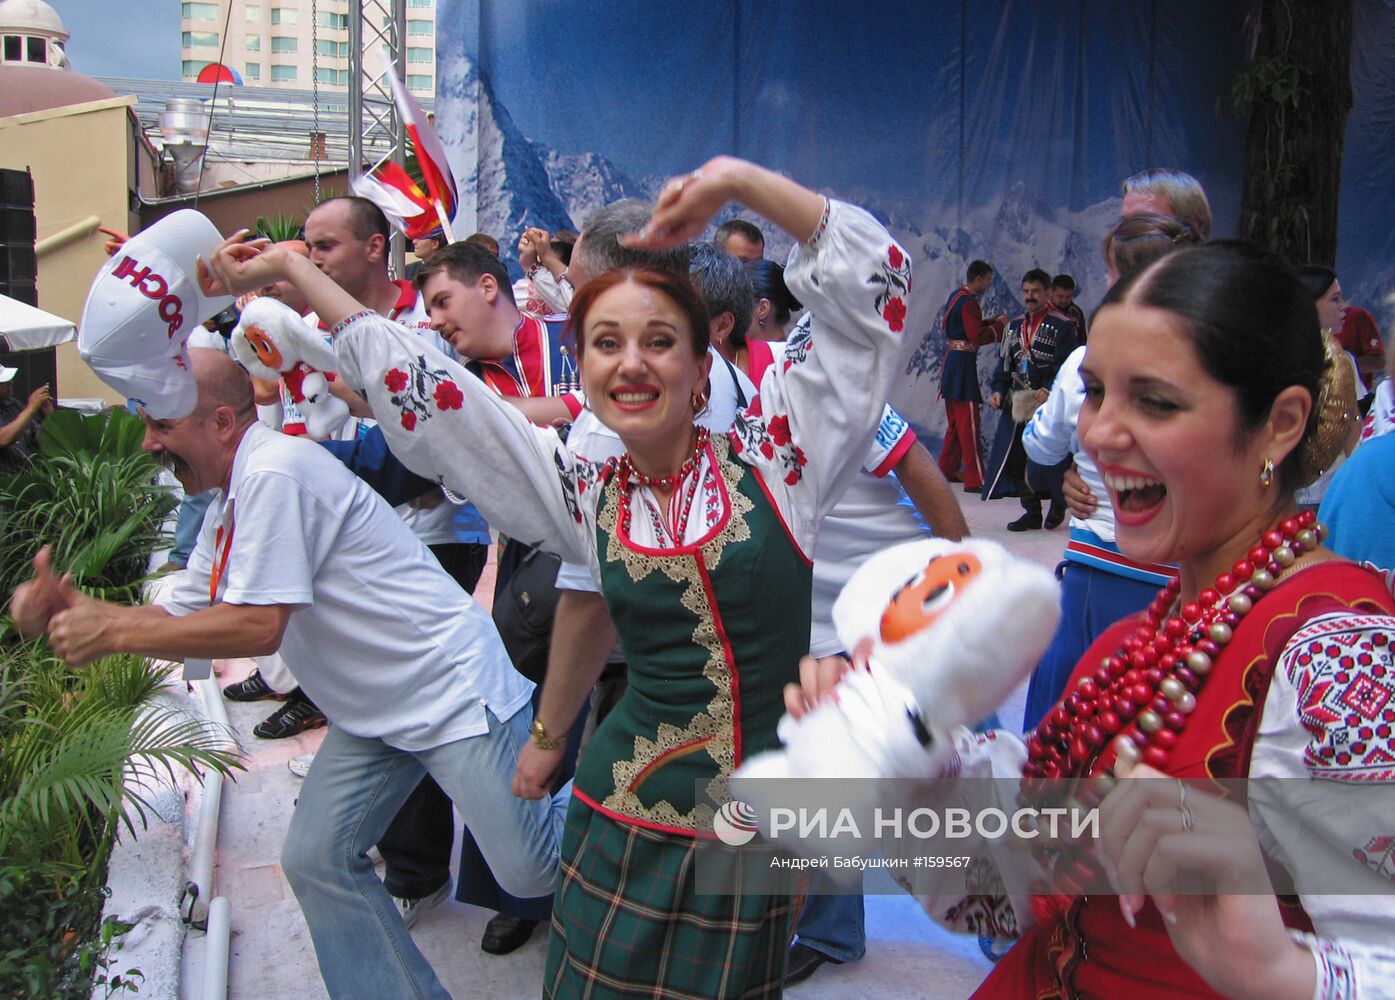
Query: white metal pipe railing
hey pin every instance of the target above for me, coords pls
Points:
(214, 913)
(215, 949)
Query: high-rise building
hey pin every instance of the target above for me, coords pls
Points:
(295, 43)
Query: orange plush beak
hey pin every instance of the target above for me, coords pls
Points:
(925, 597)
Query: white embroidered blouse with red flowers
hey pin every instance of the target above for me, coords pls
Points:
(806, 438)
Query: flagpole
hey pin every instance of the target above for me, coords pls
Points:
(445, 221)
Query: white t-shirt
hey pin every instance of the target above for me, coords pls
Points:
(872, 514)
(381, 638)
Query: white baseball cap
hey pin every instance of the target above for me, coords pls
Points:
(141, 308)
(7, 373)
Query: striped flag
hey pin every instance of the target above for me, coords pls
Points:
(402, 200)
(431, 155)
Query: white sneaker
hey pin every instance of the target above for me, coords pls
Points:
(412, 909)
(300, 764)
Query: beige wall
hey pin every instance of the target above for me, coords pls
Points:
(81, 159)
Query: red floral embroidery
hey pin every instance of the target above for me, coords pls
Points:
(779, 428)
(895, 282)
(791, 477)
(767, 449)
(448, 396)
(894, 312)
(413, 390)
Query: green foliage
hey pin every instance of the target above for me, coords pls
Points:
(1277, 80)
(40, 956)
(279, 227)
(71, 740)
(85, 733)
(75, 743)
(91, 494)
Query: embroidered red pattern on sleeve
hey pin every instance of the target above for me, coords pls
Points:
(1343, 671)
(415, 390)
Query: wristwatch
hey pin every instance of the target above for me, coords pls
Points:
(539, 736)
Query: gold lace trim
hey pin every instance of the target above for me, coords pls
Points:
(715, 723)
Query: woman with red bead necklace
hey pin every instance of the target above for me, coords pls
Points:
(1209, 401)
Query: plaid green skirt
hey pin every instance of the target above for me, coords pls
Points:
(627, 921)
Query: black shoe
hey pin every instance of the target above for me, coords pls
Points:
(803, 962)
(504, 934)
(251, 688)
(973, 489)
(293, 718)
(1054, 517)
(1027, 522)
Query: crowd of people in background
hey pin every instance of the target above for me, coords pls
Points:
(686, 449)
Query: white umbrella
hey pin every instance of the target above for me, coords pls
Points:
(25, 328)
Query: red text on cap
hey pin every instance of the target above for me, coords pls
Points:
(153, 286)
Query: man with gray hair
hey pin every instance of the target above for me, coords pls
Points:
(727, 290)
(1168, 192)
(598, 249)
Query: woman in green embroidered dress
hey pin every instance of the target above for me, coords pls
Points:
(701, 545)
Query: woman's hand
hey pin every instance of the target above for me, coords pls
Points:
(1159, 836)
(241, 265)
(537, 768)
(818, 677)
(115, 240)
(688, 203)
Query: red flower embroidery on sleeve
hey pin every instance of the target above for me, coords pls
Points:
(409, 420)
(792, 477)
(894, 312)
(767, 449)
(395, 380)
(448, 396)
(779, 428)
(893, 255)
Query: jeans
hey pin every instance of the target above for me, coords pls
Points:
(416, 845)
(351, 794)
(834, 925)
(186, 529)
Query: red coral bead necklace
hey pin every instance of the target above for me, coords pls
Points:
(1137, 701)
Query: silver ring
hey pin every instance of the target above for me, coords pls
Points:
(681, 182)
(1188, 819)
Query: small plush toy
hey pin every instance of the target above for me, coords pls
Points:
(953, 627)
(272, 343)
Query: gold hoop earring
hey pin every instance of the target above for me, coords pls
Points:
(1266, 474)
(699, 401)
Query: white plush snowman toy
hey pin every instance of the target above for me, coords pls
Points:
(951, 628)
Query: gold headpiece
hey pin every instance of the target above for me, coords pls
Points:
(1336, 412)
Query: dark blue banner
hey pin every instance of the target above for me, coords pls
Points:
(999, 130)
